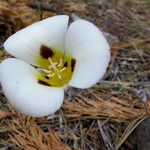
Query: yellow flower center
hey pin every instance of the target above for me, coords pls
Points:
(56, 68)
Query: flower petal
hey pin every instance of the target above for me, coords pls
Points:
(26, 43)
(86, 43)
(20, 86)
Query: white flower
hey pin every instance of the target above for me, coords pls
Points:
(49, 56)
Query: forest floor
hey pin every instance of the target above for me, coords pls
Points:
(111, 115)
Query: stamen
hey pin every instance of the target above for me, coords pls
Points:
(53, 65)
(60, 63)
(63, 69)
(50, 75)
(47, 71)
(59, 76)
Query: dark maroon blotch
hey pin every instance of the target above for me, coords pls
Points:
(66, 64)
(46, 52)
(73, 62)
(43, 83)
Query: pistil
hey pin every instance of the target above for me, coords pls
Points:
(54, 66)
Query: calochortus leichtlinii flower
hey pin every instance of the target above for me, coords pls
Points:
(49, 56)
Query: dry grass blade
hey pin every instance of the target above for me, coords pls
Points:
(128, 130)
(121, 45)
(27, 135)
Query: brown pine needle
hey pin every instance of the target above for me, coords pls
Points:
(129, 129)
(115, 109)
(27, 135)
(4, 114)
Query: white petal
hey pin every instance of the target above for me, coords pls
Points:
(20, 86)
(25, 44)
(86, 43)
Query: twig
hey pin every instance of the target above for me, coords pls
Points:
(146, 84)
(122, 45)
(106, 140)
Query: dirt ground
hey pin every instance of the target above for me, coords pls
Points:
(113, 114)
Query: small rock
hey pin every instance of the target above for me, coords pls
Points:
(141, 136)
